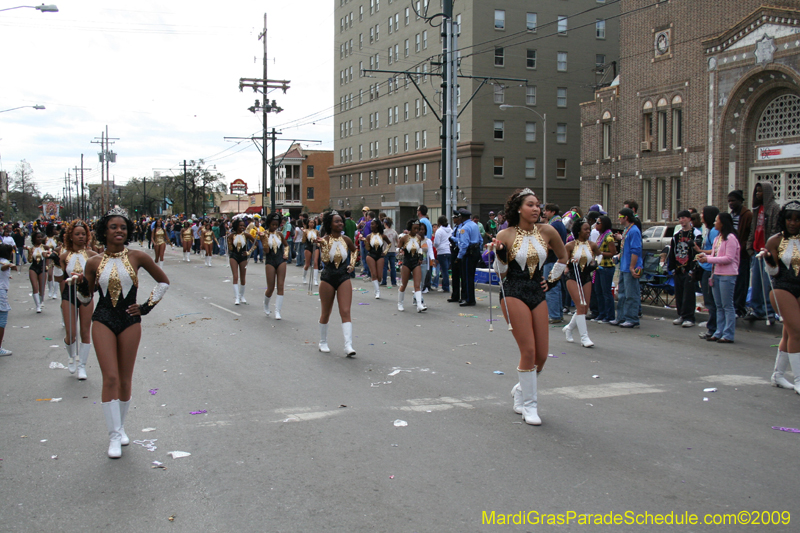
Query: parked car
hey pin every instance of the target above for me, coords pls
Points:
(656, 238)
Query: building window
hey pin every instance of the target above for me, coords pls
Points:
(395, 145)
(562, 24)
(531, 59)
(371, 178)
(530, 22)
(677, 128)
(607, 140)
(530, 95)
(530, 167)
(561, 62)
(424, 138)
(405, 111)
(405, 142)
(561, 97)
(499, 57)
(645, 211)
(406, 47)
(416, 140)
(499, 19)
(424, 171)
(606, 194)
(425, 40)
(600, 29)
(416, 43)
(416, 108)
(561, 169)
(499, 94)
(661, 198)
(600, 62)
(561, 132)
(405, 174)
(360, 152)
(662, 130)
(499, 127)
(781, 118)
(416, 172)
(677, 200)
(309, 193)
(647, 130)
(530, 132)
(498, 167)
(407, 15)
(310, 171)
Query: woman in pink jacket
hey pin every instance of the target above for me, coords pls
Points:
(725, 260)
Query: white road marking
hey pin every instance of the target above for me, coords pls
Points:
(301, 417)
(607, 390)
(228, 310)
(733, 380)
(441, 404)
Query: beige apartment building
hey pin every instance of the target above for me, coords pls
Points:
(545, 56)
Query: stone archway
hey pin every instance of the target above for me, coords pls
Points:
(737, 151)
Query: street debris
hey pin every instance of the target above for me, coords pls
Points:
(379, 383)
(705, 399)
(710, 389)
(201, 412)
(149, 444)
(788, 430)
(470, 344)
(53, 457)
(595, 376)
(56, 364)
(499, 373)
(49, 400)
(158, 464)
(153, 391)
(54, 346)
(178, 455)
(400, 423)
(148, 430)
(397, 371)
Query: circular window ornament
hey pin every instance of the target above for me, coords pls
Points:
(780, 119)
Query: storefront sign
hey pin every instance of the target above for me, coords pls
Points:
(238, 187)
(769, 153)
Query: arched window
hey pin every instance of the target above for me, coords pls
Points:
(780, 119)
(661, 102)
(677, 100)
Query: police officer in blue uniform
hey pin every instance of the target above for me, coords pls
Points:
(470, 243)
(455, 265)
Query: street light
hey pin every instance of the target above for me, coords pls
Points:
(544, 151)
(44, 8)
(37, 106)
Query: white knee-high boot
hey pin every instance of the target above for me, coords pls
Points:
(516, 393)
(420, 305)
(38, 301)
(123, 412)
(113, 423)
(323, 338)
(236, 293)
(266, 305)
(781, 364)
(316, 277)
(568, 329)
(377, 286)
(84, 356)
(527, 382)
(241, 293)
(305, 276)
(278, 306)
(400, 297)
(580, 321)
(794, 360)
(71, 364)
(347, 329)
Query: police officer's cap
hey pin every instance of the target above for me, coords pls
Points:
(456, 213)
(464, 213)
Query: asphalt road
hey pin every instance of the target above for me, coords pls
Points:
(295, 440)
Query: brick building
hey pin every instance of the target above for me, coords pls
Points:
(387, 148)
(707, 102)
(301, 180)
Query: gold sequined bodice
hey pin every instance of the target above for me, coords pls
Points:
(239, 241)
(334, 250)
(789, 253)
(38, 253)
(581, 251)
(116, 276)
(76, 262)
(272, 240)
(208, 236)
(186, 234)
(529, 250)
(412, 246)
(159, 236)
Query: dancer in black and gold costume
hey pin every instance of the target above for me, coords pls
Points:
(187, 240)
(411, 245)
(521, 250)
(207, 241)
(73, 262)
(160, 240)
(311, 252)
(581, 252)
(335, 252)
(376, 244)
(782, 256)
(116, 328)
(237, 252)
(37, 257)
(276, 253)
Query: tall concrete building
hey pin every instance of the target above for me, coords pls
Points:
(707, 102)
(388, 146)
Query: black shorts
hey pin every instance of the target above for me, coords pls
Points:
(333, 276)
(238, 256)
(68, 295)
(375, 255)
(411, 261)
(38, 267)
(518, 284)
(274, 260)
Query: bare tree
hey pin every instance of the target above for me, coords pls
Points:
(23, 184)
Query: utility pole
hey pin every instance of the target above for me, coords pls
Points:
(106, 156)
(79, 191)
(262, 85)
(144, 195)
(185, 204)
(66, 193)
(272, 192)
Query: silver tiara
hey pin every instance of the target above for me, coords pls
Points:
(526, 191)
(118, 211)
(794, 205)
(334, 213)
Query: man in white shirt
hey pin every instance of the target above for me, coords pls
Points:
(441, 242)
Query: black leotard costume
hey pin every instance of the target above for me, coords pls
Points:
(238, 250)
(76, 262)
(273, 254)
(374, 252)
(585, 266)
(525, 284)
(412, 253)
(788, 276)
(39, 256)
(335, 272)
(310, 236)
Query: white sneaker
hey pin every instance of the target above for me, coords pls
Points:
(687, 324)
(4, 352)
(678, 321)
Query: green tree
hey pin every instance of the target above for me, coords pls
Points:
(24, 191)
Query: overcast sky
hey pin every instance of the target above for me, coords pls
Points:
(164, 77)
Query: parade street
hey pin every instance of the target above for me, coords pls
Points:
(415, 433)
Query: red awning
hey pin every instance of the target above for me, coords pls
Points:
(253, 209)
